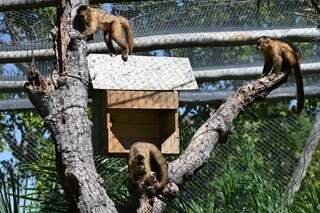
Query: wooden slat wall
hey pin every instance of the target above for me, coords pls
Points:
(117, 99)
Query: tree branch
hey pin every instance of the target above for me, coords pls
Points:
(216, 128)
(305, 160)
(315, 4)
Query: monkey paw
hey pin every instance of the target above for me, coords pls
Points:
(262, 75)
(125, 57)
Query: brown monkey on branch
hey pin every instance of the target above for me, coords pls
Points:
(281, 56)
(112, 26)
(144, 159)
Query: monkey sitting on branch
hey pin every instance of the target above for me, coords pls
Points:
(144, 160)
(281, 56)
(112, 26)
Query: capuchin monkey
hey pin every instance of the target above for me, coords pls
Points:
(141, 156)
(112, 27)
(281, 56)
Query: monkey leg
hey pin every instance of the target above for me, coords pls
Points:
(116, 35)
(108, 41)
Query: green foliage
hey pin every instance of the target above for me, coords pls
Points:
(115, 169)
(9, 189)
(46, 193)
(256, 162)
(244, 186)
(308, 198)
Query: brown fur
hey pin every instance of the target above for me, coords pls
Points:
(281, 56)
(112, 26)
(140, 156)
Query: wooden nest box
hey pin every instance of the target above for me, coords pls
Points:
(137, 100)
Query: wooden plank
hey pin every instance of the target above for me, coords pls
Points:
(115, 146)
(134, 116)
(99, 120)
(170, 145)
(142, 99)
(141, 73)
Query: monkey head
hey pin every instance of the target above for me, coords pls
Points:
(82, 12)
(81, 18)
(263, 43)
(139, 161)
(81, 9)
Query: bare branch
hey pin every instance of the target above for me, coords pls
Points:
(315, 4)
(305, 160)
(216, 128)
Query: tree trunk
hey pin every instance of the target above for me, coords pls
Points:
(62, 102)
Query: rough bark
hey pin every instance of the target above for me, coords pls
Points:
(305, 160)
(63, 104)
(216, 128)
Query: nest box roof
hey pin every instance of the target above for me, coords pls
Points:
(141, 73)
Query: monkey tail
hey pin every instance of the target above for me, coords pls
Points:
(128, 31)
(300, 91)
(163, 167)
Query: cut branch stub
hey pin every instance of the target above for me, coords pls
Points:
(35, 79)
(217, 126)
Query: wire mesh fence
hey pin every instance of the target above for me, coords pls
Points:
(29, 29)
(163, 17)
(277, 140)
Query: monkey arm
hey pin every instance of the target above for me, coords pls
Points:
(267, 67)
(91, 28)
(163, 167)
(277, 64)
